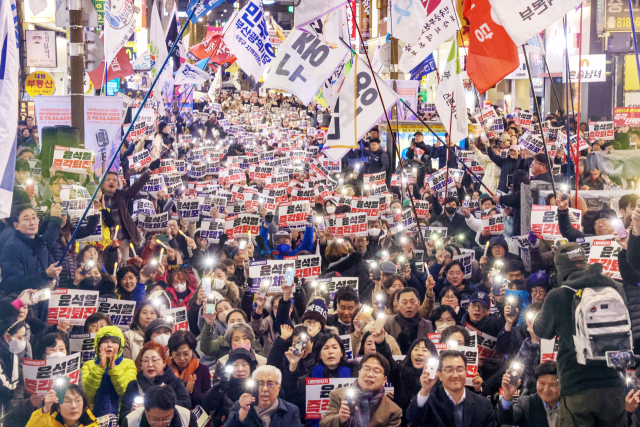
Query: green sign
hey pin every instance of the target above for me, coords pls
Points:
(290, 9)
(99, 5)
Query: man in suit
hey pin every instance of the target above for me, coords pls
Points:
(448, 404)
(540, 409)
(372, 407)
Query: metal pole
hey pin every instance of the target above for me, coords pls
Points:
(537, 109)
(555, 94)
(76, 66)
(579, 109)
(124, 138)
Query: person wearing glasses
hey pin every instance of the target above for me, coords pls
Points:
(72, 411)
(448, 403)
(260, 406)
(540, 168)
(160, 410)
(372, 407)
(152, 370)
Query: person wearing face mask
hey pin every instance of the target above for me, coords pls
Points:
(240, 335)
(152, 370)
(158, 331)
(282, 240)
(145, 313)
(227, 389)
(214, 344)
(443, 317)
(221, 286)
(178, 291)
(107, 375)
(455, 223)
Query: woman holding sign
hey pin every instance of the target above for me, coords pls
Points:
(72, 411)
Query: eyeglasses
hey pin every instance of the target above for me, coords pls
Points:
(268, 384)
(538, 292)
(111, 179)
(449, 322)
(162, 422)
(368, 369)
(77, 402)
(151, 361)
(450, 297)
(450, 370)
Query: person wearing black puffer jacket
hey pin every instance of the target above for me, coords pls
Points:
(508, 165)
(227, 390)
(152, 370)
(630, 280)
(347, 264)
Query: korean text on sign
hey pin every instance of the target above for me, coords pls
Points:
(39, 375)
(73, 306)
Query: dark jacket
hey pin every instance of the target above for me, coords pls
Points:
(378, 161)
(124, 197)
(440, 153)
(546, 177)
(555, 319)
(352, 265)
(630, 280)
(438, 410)
(143, 383)
(24, 261)
(566, 229)
(507, 167)
(221, 397)
(513, 198)
(527, 411)
(455, 226)
(287, 415)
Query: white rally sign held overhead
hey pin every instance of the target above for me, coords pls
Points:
(191, 74)
(246, 35)
(303, 63)
(523, 19)
(441, 24)
(365, 110)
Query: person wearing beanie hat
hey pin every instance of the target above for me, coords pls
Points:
(603, 224)
(591, 394)
(230, 385)
(315, 316)
(159, 330)
(538, 285)
(540, 168)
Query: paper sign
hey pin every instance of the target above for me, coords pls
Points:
(70, 305)
(76, 160)
(177, 317)
(39, 375)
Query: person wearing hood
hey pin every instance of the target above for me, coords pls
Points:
(477, 318)
(152, 370)
(498, 250)
(590, 393)
(239, 335)
(282, 240)
(330, 362)
(227, 389)
(129, 286)
(186, 365)
(513, 198)
(106, 376)
(145, 313)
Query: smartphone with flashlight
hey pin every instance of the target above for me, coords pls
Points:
(206, 285)
(350, 398)
(432, 367)
(497, 285)
(263, 289)
(87, 267)
(41, 295)
(515, 372)
(618, 227)
(242, 245)
(60, 386)
(301, 343)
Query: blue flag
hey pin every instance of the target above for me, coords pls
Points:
(202, 64)
(203, 8)
(425, 67)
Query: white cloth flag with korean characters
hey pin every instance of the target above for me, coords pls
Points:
(303, 64)
(246, 35)
(409, 18)
(450, 97)
(440, 25)
(309, 10)
(343, 133)
(523, 19)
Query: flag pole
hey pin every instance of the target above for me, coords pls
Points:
(567, 89)
(579, 109)
(124, 138)
(537, 109)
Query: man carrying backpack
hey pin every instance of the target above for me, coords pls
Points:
(590, 392)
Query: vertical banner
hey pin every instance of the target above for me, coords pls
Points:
(102, 130)
(52, 111)
(408, 91)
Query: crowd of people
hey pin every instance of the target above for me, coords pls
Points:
(403, 316)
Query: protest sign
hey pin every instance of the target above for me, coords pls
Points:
(154, 223)
(242, 224)
(39, 375)
(83, 344)
(531, 142)
(601, 130)
(292, 214)
(544, 221)
(68, 159)
(493, 224)
(523, 118)
(466, 259)
(139, 159)
(304, 266)
(70, 305)
(549, 349)
(119, 311)
(212, 230)
(317, 394)
(188, 209)
(605, 252)
(176, 317)
(345, 224)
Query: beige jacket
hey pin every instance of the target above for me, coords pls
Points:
(386, 414)
(133, 342)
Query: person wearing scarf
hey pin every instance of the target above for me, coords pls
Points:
(260, 406)
(366, 396)
(408, 325)
(186, 365)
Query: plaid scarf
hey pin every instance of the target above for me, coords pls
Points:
(365, 401)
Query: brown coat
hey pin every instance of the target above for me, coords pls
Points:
(394, 329)
(386, 414)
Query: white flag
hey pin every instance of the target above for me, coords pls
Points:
(247, 37)
(157, 52)
(523, 19)
(310, 10)
(450, 97)
(191, 74)
(409, 17)
(303, 63)
(9, 71)
(534, 45)
(215, 85)
(366, 110)
(119, 25)
(443, 23)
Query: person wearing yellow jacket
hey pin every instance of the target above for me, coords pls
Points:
(73, 411)
(105, 378)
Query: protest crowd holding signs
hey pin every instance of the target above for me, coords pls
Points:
(257, 240)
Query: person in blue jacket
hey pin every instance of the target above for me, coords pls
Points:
(282, 240)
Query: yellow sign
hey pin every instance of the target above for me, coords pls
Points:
(630, 73)
(40, 83)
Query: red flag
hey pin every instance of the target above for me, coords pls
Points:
(120, 67)
(212, 40)
(492, 53)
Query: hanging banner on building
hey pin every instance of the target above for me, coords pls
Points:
(41, 49)
(102, 130)
(593, 69)
(40, 83)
